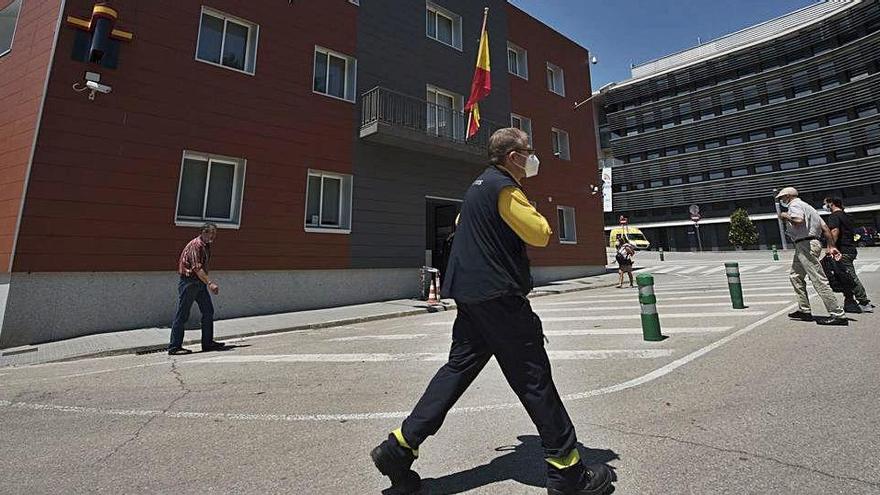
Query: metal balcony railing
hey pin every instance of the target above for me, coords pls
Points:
(382, 107)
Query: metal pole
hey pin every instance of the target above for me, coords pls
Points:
(699, 239)
(779, 221)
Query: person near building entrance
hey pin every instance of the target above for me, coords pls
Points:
(624, 258)
(804, 226)
(489, 277)
(855, 299)
(195, 286)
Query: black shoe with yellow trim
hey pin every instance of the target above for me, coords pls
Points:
(569, 476)
(394, 458)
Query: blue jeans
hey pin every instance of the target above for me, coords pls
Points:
(191, 289)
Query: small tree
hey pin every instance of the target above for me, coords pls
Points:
(742, 230)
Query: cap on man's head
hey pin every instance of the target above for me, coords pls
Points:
(787, 191)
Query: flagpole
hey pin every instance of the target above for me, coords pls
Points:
(482, 30)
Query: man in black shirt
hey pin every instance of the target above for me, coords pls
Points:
(855, 300)
(489, 277)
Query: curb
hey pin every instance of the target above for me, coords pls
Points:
(445, 306)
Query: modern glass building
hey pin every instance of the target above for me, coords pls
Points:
(789, 102)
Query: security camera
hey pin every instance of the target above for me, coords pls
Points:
(100, 88)
(594, 60)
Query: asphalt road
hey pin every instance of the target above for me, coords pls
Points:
(734, 401)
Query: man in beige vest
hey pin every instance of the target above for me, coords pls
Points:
(804, 226)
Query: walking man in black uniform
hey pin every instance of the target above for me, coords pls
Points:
(489, 277)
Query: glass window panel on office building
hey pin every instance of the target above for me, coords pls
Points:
(866, 110)
(674, 181)
(728, 103)
(783, 130)
(751, 97)
(739, 172)
(716, 175)
(763, 168)
(757, 135)
(838, 118)
(809, 125)
(789, 165)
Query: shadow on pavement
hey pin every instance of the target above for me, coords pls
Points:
(523, 463)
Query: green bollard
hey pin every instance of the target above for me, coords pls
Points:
(661, 255)
(735, 285)
(775, 253)
(648, 302)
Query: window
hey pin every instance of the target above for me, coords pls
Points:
(227, 41)
(817, 160)
(752, 97)
(567, 229)
(866, 110)
(523, 124)
(334, 74)
(809, 125)
(442, 25)
(734, 140)
(674, 181)
(872, 149)
(328, 202)
(210, 189)
(844, 155)
(739, 172)
(555, 79)
(783, 130)
(802, 90)
(716, 175)
(657, 183)
(635, 158)
(8, 21)
(695, 178)
(560, 144)
(517, 61)
(838, 118)
(444, 109)
(639, 186)
(672, 151)
(712, 144)
(789, 165)
(728, 103)
(756, 135)
(653, 155)
(692, 147)
(763, 169)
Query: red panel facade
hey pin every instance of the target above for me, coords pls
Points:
(104, 182)
(560, 182)
(23, 74)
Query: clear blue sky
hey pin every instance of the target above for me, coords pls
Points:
(620, 32)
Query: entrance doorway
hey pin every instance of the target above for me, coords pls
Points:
(440, 224)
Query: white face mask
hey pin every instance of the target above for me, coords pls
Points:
(532, 165)
(785, 203)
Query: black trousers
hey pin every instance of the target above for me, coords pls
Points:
(505, 328)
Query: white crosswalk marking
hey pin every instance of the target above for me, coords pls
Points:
(663, 316)
(692, 270)
(632, 331)
(420, 356)
(746, 289)
(871, 268)
(714, 270)
(667, 269)
(635, 307)
(379, 337)
(771, 268)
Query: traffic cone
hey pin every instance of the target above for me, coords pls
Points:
(432, 295)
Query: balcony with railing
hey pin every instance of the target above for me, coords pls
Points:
(395, 119)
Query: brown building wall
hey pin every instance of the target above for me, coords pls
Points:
(560, 182)
(23, 74)
(106, 172)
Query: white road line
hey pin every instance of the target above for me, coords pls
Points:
(746, 289)
(871, 268)
(692, 270)
(635, 307)
(630, 316)
(714, 270)
(771, 268)
(421, 356)
(632, 330)
(411, 336)
(667, 269)
(597, 301)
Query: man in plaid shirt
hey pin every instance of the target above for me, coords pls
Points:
(195, 286)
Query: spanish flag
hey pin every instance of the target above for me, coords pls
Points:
(482, 82)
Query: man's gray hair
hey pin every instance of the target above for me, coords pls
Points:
(503, 141)
(207, 227)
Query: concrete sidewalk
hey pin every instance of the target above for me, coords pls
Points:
(156, 339)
